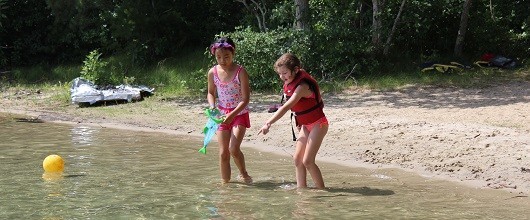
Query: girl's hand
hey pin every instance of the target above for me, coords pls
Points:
(265, 129)
(228, 119)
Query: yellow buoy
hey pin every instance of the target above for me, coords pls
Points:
(53, 163)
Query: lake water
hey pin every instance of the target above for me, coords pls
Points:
(118, 174)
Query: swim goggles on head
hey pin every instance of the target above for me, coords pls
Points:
(220, 45)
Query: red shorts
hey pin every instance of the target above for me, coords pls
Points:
(243, 119)
(321, 122)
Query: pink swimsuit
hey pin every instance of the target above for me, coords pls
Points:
(229, 96)
(229, 93)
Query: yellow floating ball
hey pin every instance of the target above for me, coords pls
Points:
(53, 163)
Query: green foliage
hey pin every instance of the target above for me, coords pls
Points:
(3, 60)
(184, 74)
(129, 80)
(29, 74)
(328, 53)
(337, 53)
(56, 32)
(282, 14)
(60, 92)
(3, 7)
(148, 32)
(433, 26)
(336, 48)
(43, 74)
(64, 73)
(77, 28)
(257, 52)
(401, 79)
(23, 37)
(94, 69)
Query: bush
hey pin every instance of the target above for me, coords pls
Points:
(329, 53)
(94, 69)
(257, 52)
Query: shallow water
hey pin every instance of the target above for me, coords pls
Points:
(117, 174)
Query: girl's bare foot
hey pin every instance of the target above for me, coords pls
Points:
(245, 178)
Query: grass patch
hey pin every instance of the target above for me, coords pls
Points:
(184, 77)
(478, 77)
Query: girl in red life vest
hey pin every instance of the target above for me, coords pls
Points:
(304, 101)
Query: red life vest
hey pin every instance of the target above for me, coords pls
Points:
(308, 109)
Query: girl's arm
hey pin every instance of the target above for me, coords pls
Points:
(211, 90)
(301, 91)
(245, 90)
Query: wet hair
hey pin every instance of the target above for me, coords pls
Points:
(288, 60)
(223, 42)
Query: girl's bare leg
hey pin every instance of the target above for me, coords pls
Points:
(298, 157)
(316, 136)
(224, 155)
(238, 133)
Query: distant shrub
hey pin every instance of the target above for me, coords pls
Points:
(258, 51)
(94, 68)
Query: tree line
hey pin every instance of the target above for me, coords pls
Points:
(334, 37)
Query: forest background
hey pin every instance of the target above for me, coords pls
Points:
(164, 43)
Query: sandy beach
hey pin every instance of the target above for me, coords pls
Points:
(479, 137)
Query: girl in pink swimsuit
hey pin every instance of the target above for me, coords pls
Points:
(228, 84)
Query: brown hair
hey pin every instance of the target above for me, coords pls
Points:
(289, 60)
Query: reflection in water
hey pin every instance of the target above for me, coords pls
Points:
(114, 174)
(81, 138)
(53, 183)
(302, 208)
(83, 135)
(52, 177)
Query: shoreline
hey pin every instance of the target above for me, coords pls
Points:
(479, 137)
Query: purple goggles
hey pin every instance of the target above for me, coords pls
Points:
(220, 45)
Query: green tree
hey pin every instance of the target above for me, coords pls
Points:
(463, 29)
(344, 37)
(77, 27)
(3, 7)
(302, 14)
(259, 10)
(26, 34)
